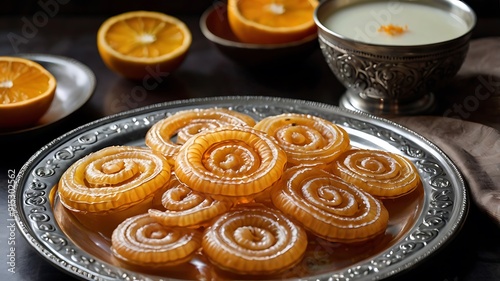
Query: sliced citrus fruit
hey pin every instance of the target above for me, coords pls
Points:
(141, 44)
(271, 21)
(26, 92)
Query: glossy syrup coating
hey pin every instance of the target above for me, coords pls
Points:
(142, 241)
(256, 240)
(307, 139)
(187, 208)
(231, 162)
(380, 173)
(328, 206)
(112, 179)
(235, 184)
(170, 133)
(114, 183)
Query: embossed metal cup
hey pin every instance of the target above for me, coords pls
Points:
(393, 80)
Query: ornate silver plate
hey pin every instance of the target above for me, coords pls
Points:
(75, 85)
(426, 222)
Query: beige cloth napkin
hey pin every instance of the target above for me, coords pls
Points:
(474, 94)
(473, 147)
(471, 138)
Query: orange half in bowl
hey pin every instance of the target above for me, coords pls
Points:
(215, 27)
(271, 21)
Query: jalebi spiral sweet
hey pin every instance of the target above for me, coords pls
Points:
(142, 241)
(187, 208)
(380, 173)
(252, 239)
(307, 140)
(233, 161)
(170, 133)
(240, 197)
(116, 182)
(328, 206)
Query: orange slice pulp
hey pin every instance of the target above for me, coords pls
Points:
(26, 92)
(271, 21)
(141, 43)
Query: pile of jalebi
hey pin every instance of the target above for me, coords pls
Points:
(246, 194)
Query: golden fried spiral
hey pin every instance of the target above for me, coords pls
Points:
(112, 179)
(252, 239)
(307, 140)
(236, 161)
(142, 241)
(184, 124)
(380, 173)
(185, 207)
(328, 206)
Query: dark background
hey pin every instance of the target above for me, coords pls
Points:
(71, 32)
(484, 8)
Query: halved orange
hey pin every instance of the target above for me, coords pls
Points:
(26, 92)
(142, 44)
(271, 21)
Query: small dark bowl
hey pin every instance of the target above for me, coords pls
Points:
(215, 27)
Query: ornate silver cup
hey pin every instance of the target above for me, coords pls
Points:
(389, 79)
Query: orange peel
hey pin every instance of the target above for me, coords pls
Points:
(142, 44)
(271, 22)
(27, 90)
